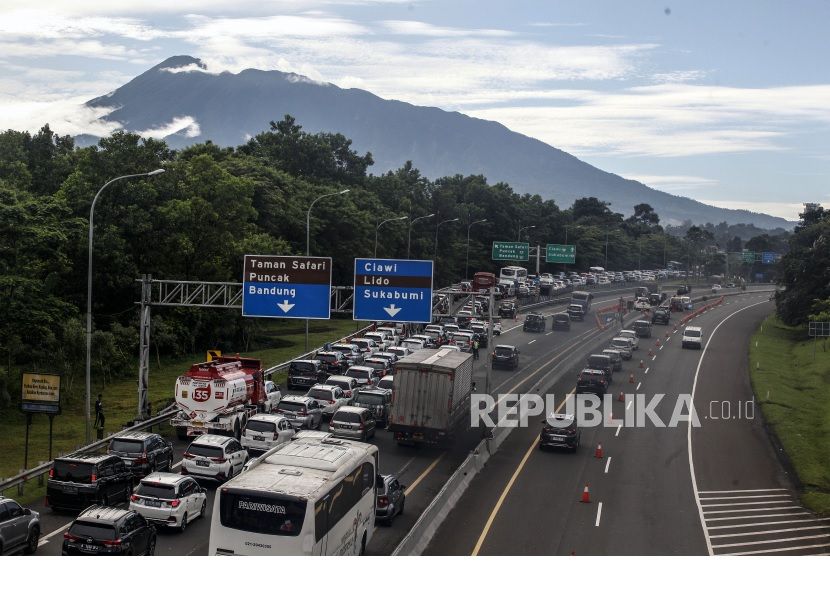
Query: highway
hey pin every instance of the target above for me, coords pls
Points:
(644, 490)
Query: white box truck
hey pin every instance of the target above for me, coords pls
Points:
(431, 397)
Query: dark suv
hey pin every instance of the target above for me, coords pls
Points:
(576, 312)
(508, 310)
(506, 356)
(561, 322)
(142, 452)
(592, 381)
(377, 400)
(534, 323)
(661, 316)
(304, 374)
(109, 531)
(560, 430)
(334, 362)
(82, 479)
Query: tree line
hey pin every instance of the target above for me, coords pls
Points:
(215, 204)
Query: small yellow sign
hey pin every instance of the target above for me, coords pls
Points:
(41, 393)
(212, 354)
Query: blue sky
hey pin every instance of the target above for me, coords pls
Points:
(726, 102)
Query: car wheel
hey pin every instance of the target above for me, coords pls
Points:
(403, 505)
(152, 467)
(183, 525)
(204, 507)
(32, 541)
(151, 547)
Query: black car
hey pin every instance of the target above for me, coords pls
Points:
(304, 374)
(560, 430)
(506, 356)
(334, 362)
(390, 497)
(508, 310)
(561, 322)
(592, 381)
(142, 452)
(103, 530)
(82, 479)
(602, 362)
(661, 316)
(684, 290)
(376, 399)
(534, 323)
(642, 328)
(654, 299)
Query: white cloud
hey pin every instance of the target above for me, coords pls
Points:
(788, 210)
(184, 125)
(671, 183)
(678, 76)
(67, 116)
(420, 28)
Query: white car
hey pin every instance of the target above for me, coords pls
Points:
(346, 383)
(392, 333)
(387, 382)
(364, 375)
(169, 499)
(264, 431)
(622, 345)
(214, 456)
(642, 304)
(400, 351)
(382, 340)
(692, 337)
(329, 396)
(272, 396)
(413, 344)
(628, 333)
(716, 288)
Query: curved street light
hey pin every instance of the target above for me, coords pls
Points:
(467, 262)
(380, 224)
(87, 410)
(409, 233)
(443, 222)
(524, 229)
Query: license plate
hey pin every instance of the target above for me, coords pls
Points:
(197, 423)
(87, 547)
(70, 490)
(556, 438)
(152, 503)
(202, 463)
(259, 438)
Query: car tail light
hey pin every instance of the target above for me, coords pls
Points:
(112, 543)
(303, 413)
(174, 503)
(70, 537)
(51, 472)
(601, 381)
(142, 459)
(133, 497)
(219, 460)
(93, 478)
(383, 501)
(187, 455)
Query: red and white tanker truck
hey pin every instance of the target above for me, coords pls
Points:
(219, 396)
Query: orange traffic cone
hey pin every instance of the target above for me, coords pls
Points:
(598, 451)
(621, 396)
(658, 343)
(650, 353)
(586, 495)
(642, 364)
(631, 378)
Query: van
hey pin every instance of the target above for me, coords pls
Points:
(602, 362)
(642, 328)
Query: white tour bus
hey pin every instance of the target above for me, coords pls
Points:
(512, 274)
(314, 495)
(597, 270)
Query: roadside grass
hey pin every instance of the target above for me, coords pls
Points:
(791, 386)
(280, 341)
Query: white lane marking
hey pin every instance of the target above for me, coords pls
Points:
(638, 386)
(607, 464)
(743, 491)
(549, 333)
(715, 498)
(531, 342)
(619, 428)
(689, 426)
(405, 466)
(810, 521)
(654, 357)
(177, 464)
(743, 511)
(661, 347)
(647, 369)
(45, 539)
(630, 403)
(795, 512)
(599, 513)
(423, 475)
(768, 542)
(708, 505)
(780, 550)
(769, 532)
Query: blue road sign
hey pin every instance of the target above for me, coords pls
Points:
(393, 290)
(287, 287)
(768, 257)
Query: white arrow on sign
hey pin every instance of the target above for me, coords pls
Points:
(285, 306)
(391, 310)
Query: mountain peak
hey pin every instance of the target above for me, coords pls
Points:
(180, 64)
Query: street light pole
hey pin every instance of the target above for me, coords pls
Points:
(388, 220)
(308, 238)
(87, 410)
(524, 229)
(606, 250)
(467, 262)
(409, 233)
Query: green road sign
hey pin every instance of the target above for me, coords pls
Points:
(560, 254)
(513, 251)
(748, 257)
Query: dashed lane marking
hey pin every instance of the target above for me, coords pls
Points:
(599, 513)
(531, 342)
(619, 428)
(607, 464)
(638, 386)
(647, 369)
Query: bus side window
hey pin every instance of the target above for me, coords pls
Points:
(321, 522)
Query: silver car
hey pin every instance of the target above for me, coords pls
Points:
(622, 345)
(19, 527)
(302, 412)
(353, 423)
(630, 334)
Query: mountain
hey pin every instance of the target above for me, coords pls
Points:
(183, 103)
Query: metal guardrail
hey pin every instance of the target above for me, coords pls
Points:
(30, 474)
(284, 365)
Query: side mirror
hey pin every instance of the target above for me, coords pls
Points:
(27, 512)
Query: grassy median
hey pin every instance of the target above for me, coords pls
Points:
(286, 339)
(791, 378)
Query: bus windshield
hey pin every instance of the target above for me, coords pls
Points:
(261, 513)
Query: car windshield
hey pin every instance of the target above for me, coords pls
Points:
(386, 384)
(291, 406)
(319, 393)
(99, 531)
(127, 445)
(156, 490)
(78, 472)
(350, 417)
(369, 399)
(328, 357)
(692, 333)
(504, 352)
(302, 366)
(205, 451)
(342, 384)
(356, 374)
(261, 426)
